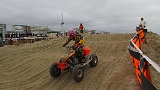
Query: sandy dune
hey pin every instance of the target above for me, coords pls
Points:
(26, 67)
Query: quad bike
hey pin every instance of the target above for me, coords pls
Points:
(72, 63)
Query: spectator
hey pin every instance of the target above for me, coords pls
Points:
(1, 42)
(57, 35)
(11, 41)
(142, 24)
(81, 28)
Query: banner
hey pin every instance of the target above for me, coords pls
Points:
(141, 62)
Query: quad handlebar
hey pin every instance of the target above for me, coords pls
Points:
(68, 48)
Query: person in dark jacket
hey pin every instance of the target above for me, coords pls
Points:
(79, 43)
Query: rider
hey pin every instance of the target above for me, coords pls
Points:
(79, 43)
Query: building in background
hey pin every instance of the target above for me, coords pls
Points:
(29, 30)
(40, 30)
(53, 34)
(2, 33)
(3, 30)
(22, 29)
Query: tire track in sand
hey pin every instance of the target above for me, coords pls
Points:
(29, 65)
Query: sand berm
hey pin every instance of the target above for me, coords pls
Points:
(26, 67)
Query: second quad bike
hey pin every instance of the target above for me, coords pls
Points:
(72, 63)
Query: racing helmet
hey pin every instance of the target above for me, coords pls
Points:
(71, 33)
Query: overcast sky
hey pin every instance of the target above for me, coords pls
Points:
(115, 16)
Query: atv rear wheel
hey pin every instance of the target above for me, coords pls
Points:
(54, 70)
(78, 73)
(94, 61)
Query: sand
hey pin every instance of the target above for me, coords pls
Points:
(26, 67)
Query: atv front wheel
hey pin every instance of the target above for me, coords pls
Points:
(94, 61)
(54, 70)
(78, 73)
